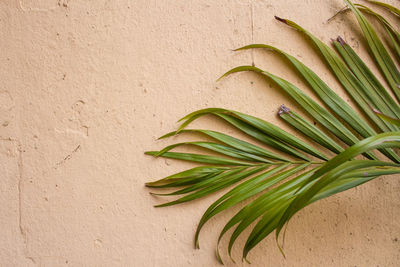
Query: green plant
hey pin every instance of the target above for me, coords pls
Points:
(282, 183)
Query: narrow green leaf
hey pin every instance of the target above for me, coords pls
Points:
(222, 149)
(199, 158)
(340, 185)
(384, 117)
(371, 172)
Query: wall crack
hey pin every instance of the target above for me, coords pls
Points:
(252, 30)
(22, 230)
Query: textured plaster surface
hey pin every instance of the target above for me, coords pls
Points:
(88, 86)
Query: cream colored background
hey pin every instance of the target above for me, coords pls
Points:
(88, 86)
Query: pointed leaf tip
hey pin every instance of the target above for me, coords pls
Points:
(376, 111)
(218, 255)
(168, 135)
(220, 78)
(341, 41)
(281, 19)
(283, 110)
(246, 260)
(281, 250)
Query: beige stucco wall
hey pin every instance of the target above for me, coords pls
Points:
(88, 86)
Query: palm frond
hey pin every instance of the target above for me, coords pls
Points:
(283, 173)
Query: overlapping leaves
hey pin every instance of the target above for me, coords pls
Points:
(284, 173)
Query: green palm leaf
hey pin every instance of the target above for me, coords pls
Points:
(281, 173)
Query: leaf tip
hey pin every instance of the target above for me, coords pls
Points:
(156, 194)
(283, 110)
(218, 255)
(341, 41)
(230, 256)
(281, 19)
(280, 249)
(150, 153)
(168, 135)
(376, 111)
(223, 76)
(246, 260)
